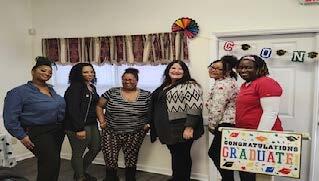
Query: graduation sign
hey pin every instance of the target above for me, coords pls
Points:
(272, 153)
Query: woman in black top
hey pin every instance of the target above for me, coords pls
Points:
(81, 120)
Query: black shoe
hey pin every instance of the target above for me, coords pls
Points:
(111, 175)
(90, 177)
(111, 179)
(130, 173)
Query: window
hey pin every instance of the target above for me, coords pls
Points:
(150, 77)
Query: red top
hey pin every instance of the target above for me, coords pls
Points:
(248, 107)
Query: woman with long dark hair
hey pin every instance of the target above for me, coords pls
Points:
(176, 115)
(81, 119)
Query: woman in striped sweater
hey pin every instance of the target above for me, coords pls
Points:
(124, 124)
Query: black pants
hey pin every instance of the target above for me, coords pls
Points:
(214, 153)
(246, 176)
(48, 141)
(181, 160)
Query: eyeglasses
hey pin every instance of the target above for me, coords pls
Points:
(214, 68)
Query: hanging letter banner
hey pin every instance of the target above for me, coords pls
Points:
(265, 52)
(228, 46)
(298, 56)
(272, 153)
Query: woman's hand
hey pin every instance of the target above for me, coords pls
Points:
(212, 129)
(27, 143)
(103, 125)
(81, 135)
(188, 133)
(100, 113)
(147, 127)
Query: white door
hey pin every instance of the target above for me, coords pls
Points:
(297, 79)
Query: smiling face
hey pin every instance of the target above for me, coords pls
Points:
(129, 81)
(247, 70)
(88, 73)
(42, 73)
(176, 72)
(215, 70)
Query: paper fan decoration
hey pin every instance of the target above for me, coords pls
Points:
(187, 25)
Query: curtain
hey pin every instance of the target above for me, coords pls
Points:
(149, 49)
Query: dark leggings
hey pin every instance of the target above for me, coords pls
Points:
(80, 161)
(214, 153)
(181, 160)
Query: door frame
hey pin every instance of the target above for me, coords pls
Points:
(213, 54)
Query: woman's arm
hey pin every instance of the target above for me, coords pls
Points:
(270, 106)
(99, 112)
(12, 110)
(194, 111)
(73, 99)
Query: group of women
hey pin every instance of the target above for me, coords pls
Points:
(37, 116)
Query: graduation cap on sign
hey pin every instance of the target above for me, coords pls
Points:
(228, 164)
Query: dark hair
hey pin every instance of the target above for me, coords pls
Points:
(186, 76)
(229, 63)
(132, 71)
(76, 73)
(42, 61)
(260, 64)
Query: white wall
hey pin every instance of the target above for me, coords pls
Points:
(15, 50)
(15, 44)
(79, 18)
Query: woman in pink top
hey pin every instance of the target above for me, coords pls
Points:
(257, 103)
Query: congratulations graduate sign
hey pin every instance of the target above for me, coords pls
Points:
(272, 153)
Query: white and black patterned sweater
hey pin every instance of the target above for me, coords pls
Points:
(175, 108)
(183, 100)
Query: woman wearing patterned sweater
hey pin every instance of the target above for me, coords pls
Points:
(176, 114)
(221, 106)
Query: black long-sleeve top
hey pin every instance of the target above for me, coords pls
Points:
(80, 106)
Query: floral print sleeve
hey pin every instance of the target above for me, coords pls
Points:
(221, 102)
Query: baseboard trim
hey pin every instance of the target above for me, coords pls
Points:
(159, 170)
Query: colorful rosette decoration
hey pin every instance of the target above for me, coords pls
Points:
(187, 25)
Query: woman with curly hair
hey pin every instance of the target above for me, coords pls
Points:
(81, 119)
